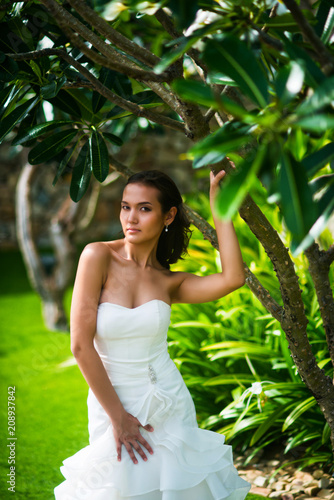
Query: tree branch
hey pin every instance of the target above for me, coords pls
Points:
(319, 265)
(166, 22)
(320, 50)
(99, 87)
(111, 58)
(89, 15)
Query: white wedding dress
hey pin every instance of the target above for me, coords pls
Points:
(188, 463)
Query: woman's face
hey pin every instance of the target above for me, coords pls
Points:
(141, 213)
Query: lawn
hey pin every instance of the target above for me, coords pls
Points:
(50, 394)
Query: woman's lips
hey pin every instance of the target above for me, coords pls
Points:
(133, 230)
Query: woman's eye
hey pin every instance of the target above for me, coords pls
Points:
(145, 209)
(124, 207)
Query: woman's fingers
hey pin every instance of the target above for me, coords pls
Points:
(132, 439)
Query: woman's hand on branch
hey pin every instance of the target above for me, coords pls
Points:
(127, 433)
(215, 180)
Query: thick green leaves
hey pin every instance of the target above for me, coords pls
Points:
(51, 90)
(228, 138)
(313, 75)
(67, 103)
(321, 97)
(15, 117)
(233, 58)
(8, 69)
(37, 130)
(107, 78)
(208, 159)
(319, 159)
(50, 147)
(289, 82)
(99, 156)
(64, 163)
(297, 205)
(81, 173)
(114, 139)
(237, 185)
(317, 123)
(195, 91)
(298, 411)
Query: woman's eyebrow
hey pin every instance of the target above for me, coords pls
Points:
(141, 203)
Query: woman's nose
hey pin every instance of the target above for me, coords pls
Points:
(132, 216)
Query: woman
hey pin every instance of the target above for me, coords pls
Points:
(144, 440)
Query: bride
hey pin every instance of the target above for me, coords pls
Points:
(144, 440)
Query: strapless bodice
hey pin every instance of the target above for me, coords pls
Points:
(133, 342)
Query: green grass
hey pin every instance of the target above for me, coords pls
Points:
(51, 413)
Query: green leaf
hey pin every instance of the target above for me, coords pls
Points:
(107, 78)
(4, 95)
(19, 28)
(313, 75)
(237, 185)
(322, 96)
(319, 159)
(298, 411)
(182, 45)
(64, 163)
(99, 156)
(233, 58)
(328, 25)
(11, 120)
(202, 94)
(287, 21)
(8, 70)
(37, 130)
(81, 173)
(51, 90)
(114, 139)
(196, 92)
(51, 146)
(289, 82)
(270, 420)
(325, 205)
(298, 209)
(228, 138)
(67, 103)
(317, 123)
(208, 159)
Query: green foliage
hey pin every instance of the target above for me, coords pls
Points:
(235, 359)
(282, 118)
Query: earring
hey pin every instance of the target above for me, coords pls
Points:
(166, 228)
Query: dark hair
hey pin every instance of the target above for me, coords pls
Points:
(172, 244)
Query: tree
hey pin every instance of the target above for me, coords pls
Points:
(249, 79)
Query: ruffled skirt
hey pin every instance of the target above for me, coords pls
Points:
(188, 463)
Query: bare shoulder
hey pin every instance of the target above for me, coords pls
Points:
(95, 251)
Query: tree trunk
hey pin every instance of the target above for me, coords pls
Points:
(51, 288)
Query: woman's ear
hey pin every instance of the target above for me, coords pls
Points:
(170, 215)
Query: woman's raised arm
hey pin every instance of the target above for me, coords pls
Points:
(197, 289)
